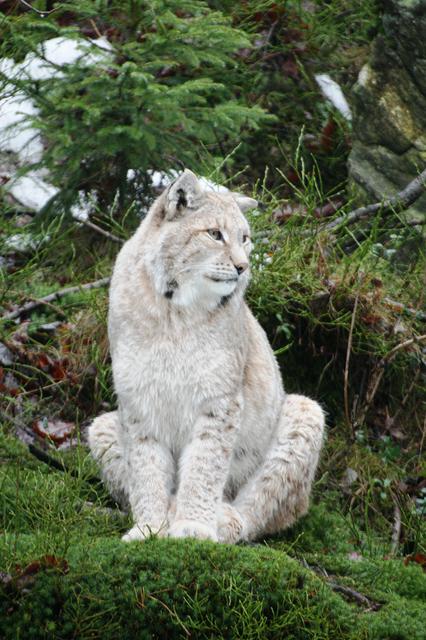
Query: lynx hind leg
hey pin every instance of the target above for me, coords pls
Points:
(279, 492)
(107, 451)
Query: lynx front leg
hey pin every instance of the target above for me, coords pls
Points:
(279, 492)
(203, 470)
(151, 471)
(103, 437)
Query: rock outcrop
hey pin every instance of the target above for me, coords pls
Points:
(389, 107)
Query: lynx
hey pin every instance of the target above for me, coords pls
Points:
(205, 443)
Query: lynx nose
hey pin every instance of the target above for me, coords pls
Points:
(241, 267)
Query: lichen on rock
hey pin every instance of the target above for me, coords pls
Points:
(389, 106)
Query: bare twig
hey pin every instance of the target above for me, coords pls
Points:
(407, 395)
(95, 28)
(396, 530)
(379, 371)
(401, 345)
(59, 465)
(54, 307)
(56, 295)
(269, 35)
(107, 234)
(348, 592)
(346, 372)
(41, 455)
(400, 202)
(38, 11)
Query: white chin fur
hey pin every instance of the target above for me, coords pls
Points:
(202, 292)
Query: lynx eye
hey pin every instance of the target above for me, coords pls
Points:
(246, 238)
(215, 234)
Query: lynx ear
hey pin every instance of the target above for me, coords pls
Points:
(184, 193)
(244, 202)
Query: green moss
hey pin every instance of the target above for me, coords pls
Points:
(323, 530)
(168, 588)
(162, 587)
(98, 587)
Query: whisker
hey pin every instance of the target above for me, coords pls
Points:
(197, 268)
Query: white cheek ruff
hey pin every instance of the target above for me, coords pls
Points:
(202, 292)
(220, 288)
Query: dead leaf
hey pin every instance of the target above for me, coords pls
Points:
(8, 383)
(328, 209)
(327, 135)
(41, 361)
(25, 577)
(287, 211)
(58, 371)
(418, 558)
(57, 431)
(290, 68)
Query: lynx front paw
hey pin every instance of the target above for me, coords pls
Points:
(192, 529)
(142, 531)
(230, 524)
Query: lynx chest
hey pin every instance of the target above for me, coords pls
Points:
(164, 383)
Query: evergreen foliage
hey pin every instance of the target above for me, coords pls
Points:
(162, 98)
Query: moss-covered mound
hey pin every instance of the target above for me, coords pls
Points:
(66, 574)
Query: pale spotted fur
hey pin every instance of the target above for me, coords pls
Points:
(205, 443)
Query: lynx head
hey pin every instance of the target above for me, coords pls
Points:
(198, 244)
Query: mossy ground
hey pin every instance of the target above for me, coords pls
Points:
(66, 574)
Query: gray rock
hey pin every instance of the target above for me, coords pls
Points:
(389, 108)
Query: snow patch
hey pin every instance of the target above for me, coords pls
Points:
(82, 209)
(333, 92)
(17, 134)
(31, 191)
(161, 180)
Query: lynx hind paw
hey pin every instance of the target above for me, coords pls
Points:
(192, 529)
(230, 524)
(142, 531)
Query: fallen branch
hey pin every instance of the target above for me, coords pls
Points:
(56, 295)
(348, 592)
(41, 455)
(107, 234)
(352, 594)
(400, 202)
(41, 13)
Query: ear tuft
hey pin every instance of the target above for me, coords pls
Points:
(244, 202)
(182, 201)
(184, 193)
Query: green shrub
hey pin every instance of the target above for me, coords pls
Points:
(162, 98)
